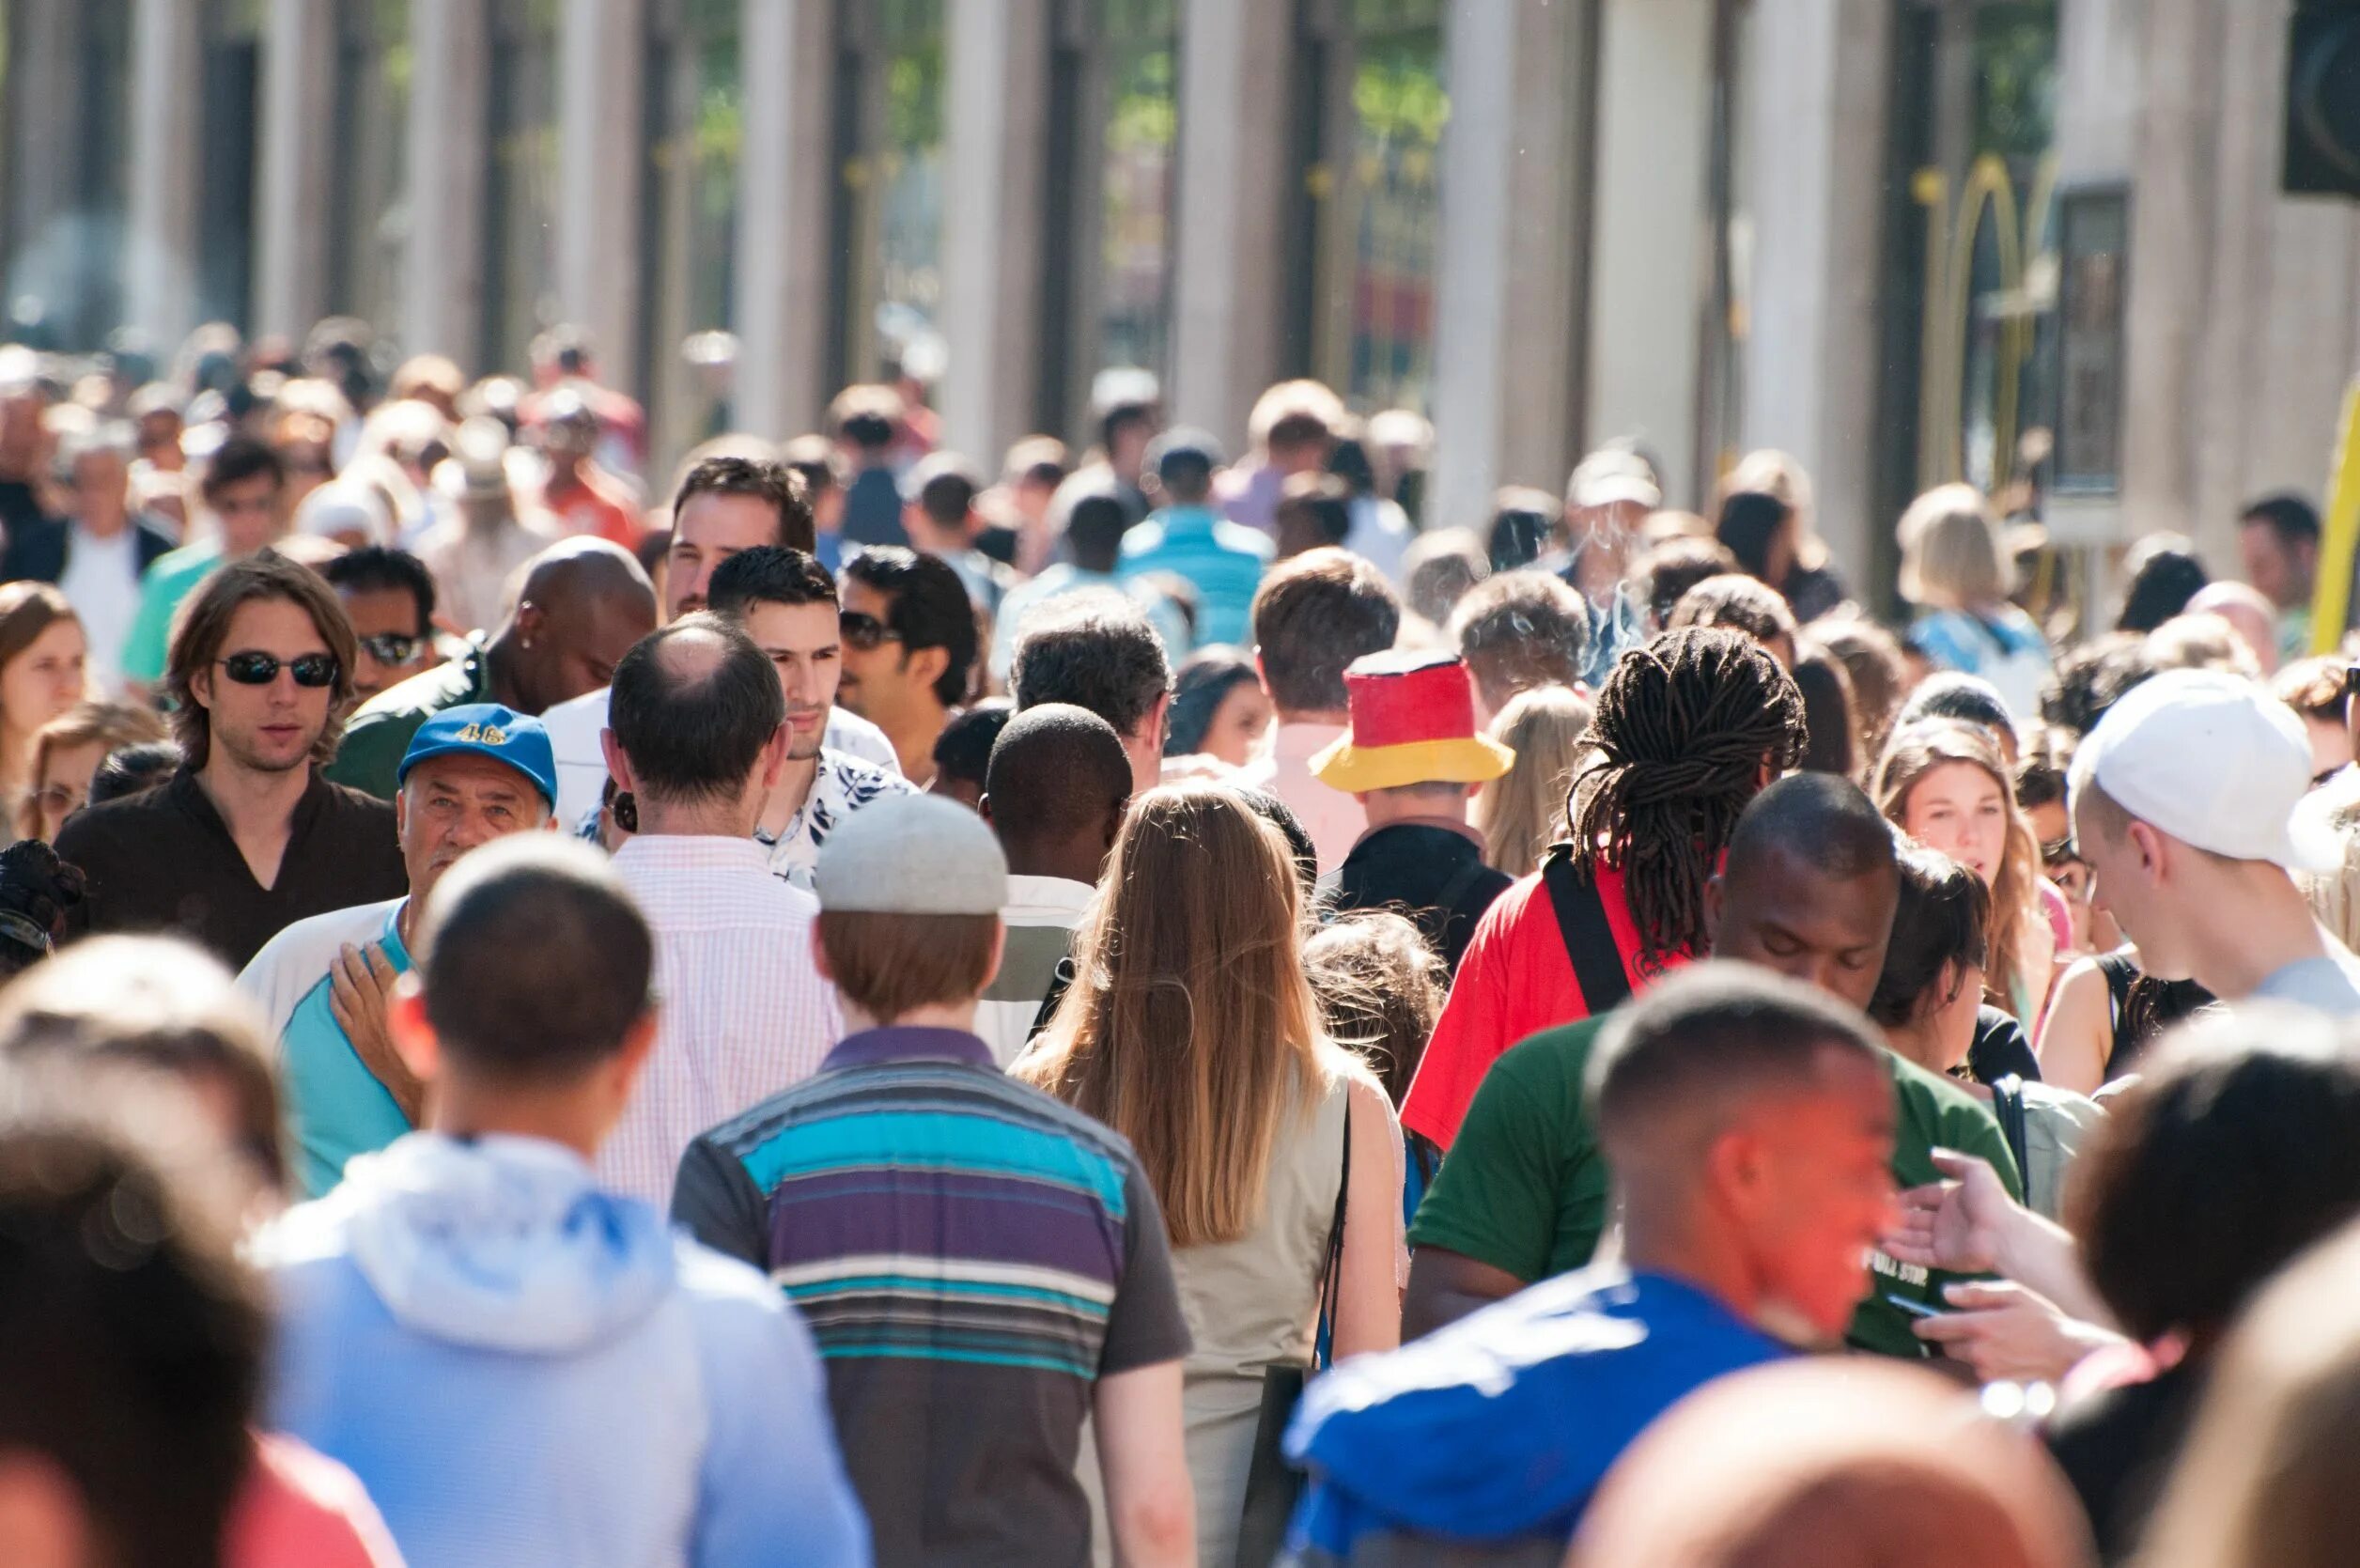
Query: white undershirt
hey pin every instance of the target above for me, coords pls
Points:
(101, 583)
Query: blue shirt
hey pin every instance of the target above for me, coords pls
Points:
(336, 1107)
(1224, 560)
(1498, 1427)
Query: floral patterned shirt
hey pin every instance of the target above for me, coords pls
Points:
(842, 785)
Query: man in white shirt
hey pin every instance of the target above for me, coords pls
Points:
(96, 557)
(2186, 804)
(725, 504)
(1055, 793)
(698, 736)
(786, 602)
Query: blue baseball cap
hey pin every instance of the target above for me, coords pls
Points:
(486, 730)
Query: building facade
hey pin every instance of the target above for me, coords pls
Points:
(2033, 243)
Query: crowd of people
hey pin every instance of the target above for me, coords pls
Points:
(833, 1006)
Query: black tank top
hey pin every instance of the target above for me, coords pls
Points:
(2142, 1008)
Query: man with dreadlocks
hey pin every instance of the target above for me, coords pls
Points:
(1689, 729)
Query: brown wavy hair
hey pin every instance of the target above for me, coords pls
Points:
(1918, 751)
(1189, 1027)
(203, 624)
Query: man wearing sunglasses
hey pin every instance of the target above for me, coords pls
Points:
(389, 595)
(581, 605)
(248, 836)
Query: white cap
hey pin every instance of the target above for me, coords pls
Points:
(2215, 761)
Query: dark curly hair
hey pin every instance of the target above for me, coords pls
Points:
(1688, 727)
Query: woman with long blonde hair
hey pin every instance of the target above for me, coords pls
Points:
(1191, 1028)
(1944, 784)
(1523, 811)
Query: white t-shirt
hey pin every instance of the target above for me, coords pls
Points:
(101, 583)
(574, 728)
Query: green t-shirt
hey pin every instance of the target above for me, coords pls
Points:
(170, 578)
(377, 736)
(1525, 1189)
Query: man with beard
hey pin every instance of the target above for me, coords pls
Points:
(786, 602)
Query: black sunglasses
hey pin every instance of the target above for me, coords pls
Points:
(252, 668)
(865, 631)
(388, 648)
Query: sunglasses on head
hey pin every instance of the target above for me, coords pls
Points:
(865, 631)
(388, 648)
(252, 668)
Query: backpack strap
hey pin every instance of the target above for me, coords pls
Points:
(1581, 922)
(2008, 1107)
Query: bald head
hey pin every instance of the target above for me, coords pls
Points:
(693, 709)
(580, 606)
(1055, 790)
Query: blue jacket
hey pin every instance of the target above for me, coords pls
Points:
(528, 1371)
(1498, 1428)
(1223, 561)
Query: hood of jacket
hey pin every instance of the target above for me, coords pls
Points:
(497, 1242)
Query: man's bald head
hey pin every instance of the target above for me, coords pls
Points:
(580, 606)
(1055, 789)
(693, 708)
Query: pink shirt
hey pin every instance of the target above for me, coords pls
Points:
(1333, 818)
(741, 1011)
(301, 1509)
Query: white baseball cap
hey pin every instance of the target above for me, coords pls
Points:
(2215, 761)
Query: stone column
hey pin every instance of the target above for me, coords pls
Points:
(1514, 301)
(298, 142)
(602, 48)
(1235, 181)
(44, 155)
(1814, 111)
(787, 178)
(167, 79)
(442, 306)
(995, 154)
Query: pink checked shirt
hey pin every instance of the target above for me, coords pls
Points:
(741, 1011)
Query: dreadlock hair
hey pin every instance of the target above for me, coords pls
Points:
(1688, 727)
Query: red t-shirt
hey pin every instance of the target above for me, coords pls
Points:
(1514, 982)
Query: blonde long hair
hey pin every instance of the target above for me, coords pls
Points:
(2013, 981)
(1189, 1027)
(1523, 811)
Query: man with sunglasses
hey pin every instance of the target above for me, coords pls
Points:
(248, 836)
(581, 605)
(911, 645)
(389, 595)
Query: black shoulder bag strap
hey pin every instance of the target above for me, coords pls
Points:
(1331, 1277)
(1581, 921)
(1057, 985)
(2008, 1108)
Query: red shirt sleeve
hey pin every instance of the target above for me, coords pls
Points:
(1514, 981)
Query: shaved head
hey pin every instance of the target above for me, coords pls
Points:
(1821, 821)
(580, 606)
(1809, 886)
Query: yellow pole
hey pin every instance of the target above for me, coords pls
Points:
(2340, 532)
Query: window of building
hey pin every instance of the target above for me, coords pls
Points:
(520, 184)
(887, 276)
(368, 226)
(696, 101)
(65, 137)
(1371, 75)
(1114, 119)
